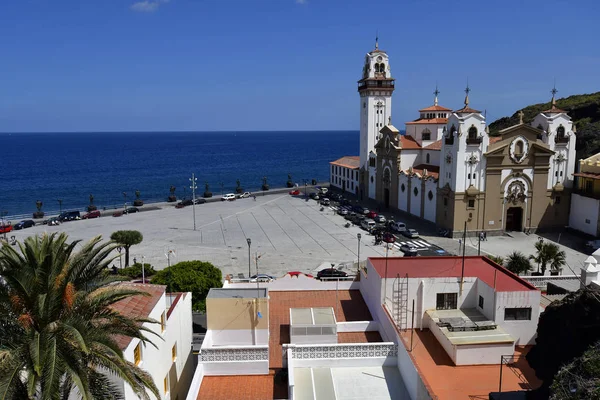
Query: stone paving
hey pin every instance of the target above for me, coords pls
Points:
(287, 234)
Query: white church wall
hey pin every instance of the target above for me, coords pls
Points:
(415, 199)
(372, 181)
(584, 214)
(408, 159)
(434, 157)
(402, 195)
(430, 204)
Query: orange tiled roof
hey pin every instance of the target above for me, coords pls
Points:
(138, 306)
(587, 175)
(352, 162)
(432, 170)
(435, 108)
(467, 110)
(554, 110)
(428, 121)
(407, 142)
(444, 380)
(495, 139)
(437, 145)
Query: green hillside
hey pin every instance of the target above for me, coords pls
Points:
(584, 110)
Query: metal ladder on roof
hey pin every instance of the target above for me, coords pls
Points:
(400, 302)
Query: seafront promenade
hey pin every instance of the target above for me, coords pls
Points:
(286, 232)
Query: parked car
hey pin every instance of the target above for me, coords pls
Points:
(411, 233)
(295, 192)
(69, 216)
(325, 202)
(367, 224)
(388, 238)
(5, 226)
(52, 221)
(27, 223)
(241, 196)
(380, 218)
(314, 196)
(408, 250)
(262, 278)
(331, 273)
(366, 211)
(345, 202)
(350, 216)
(184, 203)
(91, 214)
(593, 244)
(131, 210)
(342, 211)
(335, 196)
(228, 197)
(358, 219)
(323, 190)
(201, 200)
(398, 227)
(371, 214)
(358, 209)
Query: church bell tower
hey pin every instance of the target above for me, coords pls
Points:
(375, 90)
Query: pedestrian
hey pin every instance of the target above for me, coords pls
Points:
(481, 237)
(485, 236)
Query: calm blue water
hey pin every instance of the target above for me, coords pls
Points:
(71, 166)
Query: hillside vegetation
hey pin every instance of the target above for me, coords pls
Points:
(584, 110)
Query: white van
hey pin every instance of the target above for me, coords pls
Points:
(323, 190)
(228, 197)
(367, 224)
(398, 226)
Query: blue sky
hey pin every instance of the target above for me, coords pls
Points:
(114, 65)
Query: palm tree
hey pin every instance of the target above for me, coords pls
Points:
(540, 258)
(57, 328)
(517, 263)
(497, 259)
(557, 257)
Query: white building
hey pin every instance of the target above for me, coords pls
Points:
(354, 339)
(343, 174)
(585, 200)
(169, 360)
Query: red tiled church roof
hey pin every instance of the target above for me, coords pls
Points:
(407, 142)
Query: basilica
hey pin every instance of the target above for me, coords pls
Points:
(447, 169)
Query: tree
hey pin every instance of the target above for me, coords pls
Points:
(565, 331)
(517, 263)
(548, 253)
(497, 259)
(580, 379)
(127, 239)
(197, 277)
(58, 331)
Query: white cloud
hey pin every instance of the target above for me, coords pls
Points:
(301, 1)
(147, 5)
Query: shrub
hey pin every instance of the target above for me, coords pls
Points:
(135, 271)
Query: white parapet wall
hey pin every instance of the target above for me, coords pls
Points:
(357, 326)
(342, 355)
(196, 383)
(299, 283)
(235, 360)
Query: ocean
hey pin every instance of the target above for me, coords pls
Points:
(71, 166)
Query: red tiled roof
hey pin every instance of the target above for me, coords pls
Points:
(467, 110)
(137, 306)
(495, 139)
(554, 110)
(428, 121)
(435, 108)
(437, 145)
(432, 170)
(352, 162)
(407, 142)
(435, 267)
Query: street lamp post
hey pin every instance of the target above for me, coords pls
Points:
(386, 271)
(124, 201)
(305, 180)
(60, 205)
(249, 241)
(358, 236)
(119, 249)
(143, 272)
(194, 180)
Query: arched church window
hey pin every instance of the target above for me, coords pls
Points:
(472, 133)
(519, 149)
(416, 192)
(560, 132)
(426, 134)
(427, 158)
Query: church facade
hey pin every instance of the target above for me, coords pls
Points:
(448, 170)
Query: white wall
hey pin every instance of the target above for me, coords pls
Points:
(524, 332)
(584, 209)
(357, 326)
(488, 354)
(157, 361)
(402, 196)
(487, 292)
(430, 205)
(240, 337)
(300, 283)
(408, 158)
(372, 182)
(415, 201)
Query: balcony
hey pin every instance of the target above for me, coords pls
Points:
(561, 139)
(376, 84)
(474, 140)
